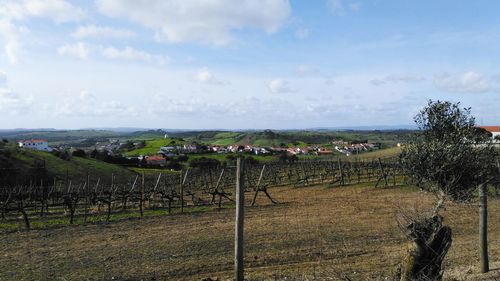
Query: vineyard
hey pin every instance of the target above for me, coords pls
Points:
(39, 197)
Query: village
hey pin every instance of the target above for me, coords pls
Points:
(116, 149)
(166, 152)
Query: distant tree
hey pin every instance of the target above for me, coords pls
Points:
(79, 153)
(283, 157)
(140, 144)
(251, 161)
(64, 155)
(286, 157)
(182, 158)
(128, 145)
(94, 153)
(445, 159)
(173, 165)
(204, 162)
(269, 134)
(481, 134)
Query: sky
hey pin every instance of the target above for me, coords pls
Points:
(244, 64)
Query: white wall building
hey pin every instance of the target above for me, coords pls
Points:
(494, 130)
(36, 144)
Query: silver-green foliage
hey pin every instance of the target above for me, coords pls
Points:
(449, 155)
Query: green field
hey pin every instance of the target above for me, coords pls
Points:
(76, 167)
(152, 146)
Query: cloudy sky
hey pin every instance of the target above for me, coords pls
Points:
(202, 64)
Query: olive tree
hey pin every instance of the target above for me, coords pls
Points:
(449, 157)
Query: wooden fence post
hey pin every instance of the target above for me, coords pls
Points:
(183, 181)
(238, 234)
(483, 227)
(86, 195)
(258, 184)
(342, 182)
(141, 199)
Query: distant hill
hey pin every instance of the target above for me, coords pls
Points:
(266, 138)
(55, 135)
(366, 128)
(21, 162)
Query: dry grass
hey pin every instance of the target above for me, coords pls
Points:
(317, 233)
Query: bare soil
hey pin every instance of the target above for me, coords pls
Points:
(315, 233)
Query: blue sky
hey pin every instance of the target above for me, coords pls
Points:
(244, 64)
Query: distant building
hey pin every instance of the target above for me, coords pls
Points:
(156, 160)
(35, 144)
(494, 130)
(323, 151)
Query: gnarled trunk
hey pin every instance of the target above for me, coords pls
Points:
(430, 243)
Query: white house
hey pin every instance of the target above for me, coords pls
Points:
(494, 130)
(36, 144)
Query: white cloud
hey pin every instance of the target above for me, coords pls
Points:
(204, 75)
(11, 37)
(340, 6)
(57, 10)
(398, 78)
(199, 21)
(302, 33)
(12, 13)
(305, 69)
(87, 97)
(129, 53)
(245, 108)
(10, 101)
(329, 81)
(79, 50)
(335, 5)
(3, 79)
(404, 77)
(355, 6)
(378, 82)
(93, 31)
(280, 86)
(468, 82)
(87, 105)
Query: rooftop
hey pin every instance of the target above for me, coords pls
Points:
(491, 129)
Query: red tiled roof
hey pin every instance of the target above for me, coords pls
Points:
(33, 140)
(155, 158)
(491, 129)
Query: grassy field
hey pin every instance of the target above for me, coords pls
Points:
(315, 233)
(226, 138)
(76, 167)
(152, 147)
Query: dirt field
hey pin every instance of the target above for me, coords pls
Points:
(316, 233)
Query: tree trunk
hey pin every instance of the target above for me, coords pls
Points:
(109, 210)
(430, 243)
(71, 213)
(25, 217)
(141, 199)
